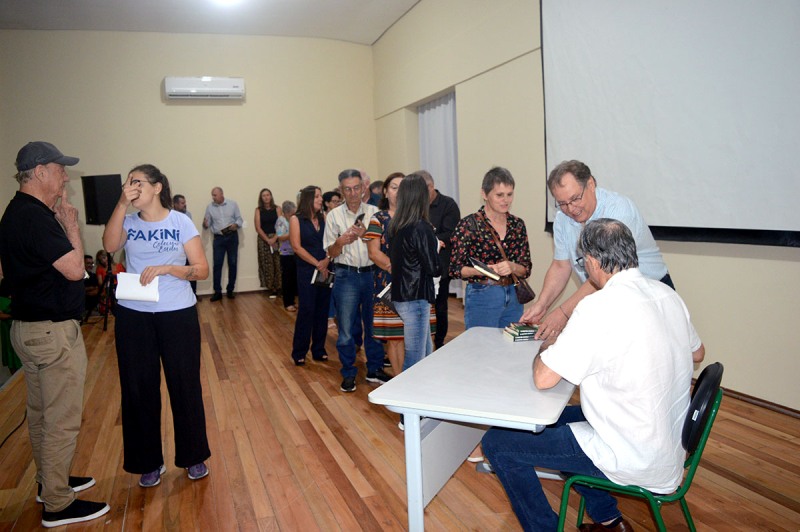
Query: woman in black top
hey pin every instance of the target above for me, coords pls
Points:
(269, 258)
(306, 229)
(414, 251)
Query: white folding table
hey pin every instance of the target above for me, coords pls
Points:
(478, 380)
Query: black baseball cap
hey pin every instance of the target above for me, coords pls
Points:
(35, 153)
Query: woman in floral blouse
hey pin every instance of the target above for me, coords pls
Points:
(387, 325)
(490, 303)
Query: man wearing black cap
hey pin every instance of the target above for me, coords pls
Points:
(41, 255)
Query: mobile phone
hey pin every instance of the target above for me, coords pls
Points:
(359, 218)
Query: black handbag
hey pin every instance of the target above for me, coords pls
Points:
(385, 297)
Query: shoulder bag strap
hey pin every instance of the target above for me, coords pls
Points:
(499, 245)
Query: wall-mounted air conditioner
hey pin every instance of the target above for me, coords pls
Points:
(204, 88)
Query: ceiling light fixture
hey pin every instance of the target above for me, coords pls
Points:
(227, 3)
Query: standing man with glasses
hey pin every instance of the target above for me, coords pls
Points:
(353, 287)
(224, 220)
(579, 200)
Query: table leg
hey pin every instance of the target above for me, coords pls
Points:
(416, 507)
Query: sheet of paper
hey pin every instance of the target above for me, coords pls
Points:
(129, 287)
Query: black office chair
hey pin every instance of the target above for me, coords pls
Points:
(706, 397)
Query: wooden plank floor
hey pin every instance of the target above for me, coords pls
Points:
(292, 452)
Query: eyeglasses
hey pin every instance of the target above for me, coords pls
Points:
(581, 262)
(352, 190)
(137, 181)
(564, 205)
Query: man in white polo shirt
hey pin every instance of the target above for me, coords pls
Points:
(630, 346)
(354, 285)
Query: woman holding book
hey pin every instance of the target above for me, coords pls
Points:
(414, 251)
(160, 243)
(491, 300)
(305, 234)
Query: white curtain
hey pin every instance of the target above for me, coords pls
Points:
(438, 145)
(438, 149)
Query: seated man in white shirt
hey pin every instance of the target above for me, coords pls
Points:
(630, 347)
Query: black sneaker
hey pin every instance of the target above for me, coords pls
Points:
(386, 362)
(77, 512)
(348, 384)
(231, 295)
(216, 297)
(378, 376)
(76, 483)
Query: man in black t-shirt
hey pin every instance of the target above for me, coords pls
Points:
(41, 255)
(444, 214)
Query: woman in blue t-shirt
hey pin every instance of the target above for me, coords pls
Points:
(158, 241)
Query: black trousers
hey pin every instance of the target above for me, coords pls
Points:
(440, 307)
(311, 326)
(146, 341)
(288, 279)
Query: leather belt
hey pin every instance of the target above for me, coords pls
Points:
(504, 281)
(362, 269)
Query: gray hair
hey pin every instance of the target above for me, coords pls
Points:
(578, 169)
(350, 172)
(288, 206)
(24, 176)
(426, 176)
(611, 243)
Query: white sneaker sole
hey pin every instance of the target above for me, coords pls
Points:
(161, 471)
(204, 475)
(62, 522)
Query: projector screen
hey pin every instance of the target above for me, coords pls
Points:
(691, 109)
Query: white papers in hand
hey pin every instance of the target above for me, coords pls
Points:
(129, 287)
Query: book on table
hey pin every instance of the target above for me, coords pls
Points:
(521, 329)
(518, 338)
(484, 269)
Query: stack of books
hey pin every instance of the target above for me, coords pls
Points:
(520, 332)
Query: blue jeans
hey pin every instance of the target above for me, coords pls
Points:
(225, 245)
(416, 316)
(490, 306)
(358, 334)
(350, 290)
(514, 453)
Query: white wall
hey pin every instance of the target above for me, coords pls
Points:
(97, 95)
(315, 107)
(743, 299)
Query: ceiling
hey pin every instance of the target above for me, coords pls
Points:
(358, 21)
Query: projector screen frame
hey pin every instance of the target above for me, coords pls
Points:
(766, 237)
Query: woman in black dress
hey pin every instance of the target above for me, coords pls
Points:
(305, 234)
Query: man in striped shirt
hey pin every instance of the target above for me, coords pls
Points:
(353, 288)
